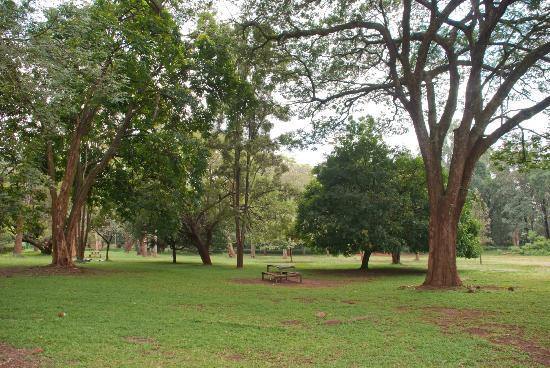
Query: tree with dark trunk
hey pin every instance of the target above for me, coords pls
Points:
(457, 59)
(396, 257)
(365, 259)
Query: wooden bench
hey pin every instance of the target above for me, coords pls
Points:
(283, 272)
(95, 254)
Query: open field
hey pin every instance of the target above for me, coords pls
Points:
(136, 312)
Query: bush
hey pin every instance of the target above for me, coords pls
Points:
(536, 246)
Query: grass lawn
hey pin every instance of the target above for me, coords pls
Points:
(136, 312)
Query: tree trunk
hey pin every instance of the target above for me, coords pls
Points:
(143, 245)
(252, 250)
(442, 271)
(174, 253)
(230, 249)
(396, 257)
(285, 253)
(416, 256)
(365, 260)
(205, 255)
(107, 253)
(545, 219)
(515, 236)
(18, 247)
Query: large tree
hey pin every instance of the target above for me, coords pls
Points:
(434, 61)
(100, 72)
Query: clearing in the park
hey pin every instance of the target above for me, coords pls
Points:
(136, 312)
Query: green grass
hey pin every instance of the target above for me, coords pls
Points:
(188, 315)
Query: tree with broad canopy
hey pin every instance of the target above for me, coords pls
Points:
(483, 63)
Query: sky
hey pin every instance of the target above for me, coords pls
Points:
(229, 10)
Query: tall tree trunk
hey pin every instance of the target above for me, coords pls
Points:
(396, 257)
(442, 270)
(18, 247)
(365, 260)
(416, 256)
(237, 210)
(173, 253)
(544, 210)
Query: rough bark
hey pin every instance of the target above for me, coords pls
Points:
(45, 246)
(18, 246)
(442, 270)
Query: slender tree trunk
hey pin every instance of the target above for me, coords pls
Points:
(230, 249)
(143, 245)
(396, 257)
(285, 253)
(544, 210)
(252, 250)
(18, 247)
(416, 256)
(442, 270)
(515, 236)
(107, 253)
(365, 260)
(174, 253)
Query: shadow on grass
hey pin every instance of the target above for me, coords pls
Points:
(371, 272)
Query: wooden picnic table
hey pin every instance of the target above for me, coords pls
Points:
(282, 272)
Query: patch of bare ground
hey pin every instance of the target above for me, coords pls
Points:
(291, 322)
(48, 271)
(233, 357)
(371, 273)
(333, 322)
(307, 283)
(471, 321)
(464, 288)
(12, 357)
(350, 302)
